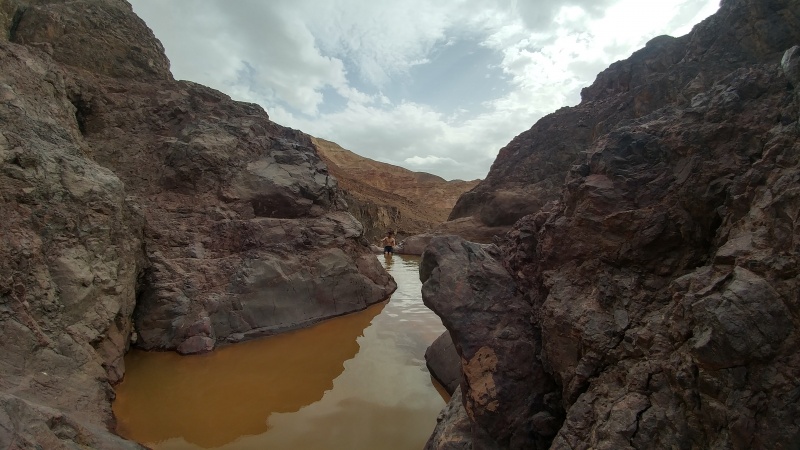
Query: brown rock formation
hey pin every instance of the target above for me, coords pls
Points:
(488, 319)
(386, 197)
(529, 172)
(244, 223)
(132, 200)
(658, 291)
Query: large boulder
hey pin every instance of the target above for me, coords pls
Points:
(246, 233)
(662, 284)
(502, 380)
(663, 281)
(414, 245)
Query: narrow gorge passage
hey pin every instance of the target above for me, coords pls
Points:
(354, 382)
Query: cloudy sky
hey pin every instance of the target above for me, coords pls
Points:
(433, 86)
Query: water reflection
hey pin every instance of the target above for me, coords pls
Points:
(213, 399)
(355, 382)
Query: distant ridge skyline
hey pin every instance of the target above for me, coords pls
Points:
(436, 88)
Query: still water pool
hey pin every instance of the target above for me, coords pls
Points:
(354, 382)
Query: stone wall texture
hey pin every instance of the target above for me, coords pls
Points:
(136, 207)
(647, 294)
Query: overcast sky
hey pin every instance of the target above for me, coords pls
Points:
(433, 86)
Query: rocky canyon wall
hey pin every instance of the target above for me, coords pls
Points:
(138, 206)
(529, 171)
(650, 297)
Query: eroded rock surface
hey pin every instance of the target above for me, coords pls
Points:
(69, 260)
(529, 172)
(134, 202)
(246, 232)
(662, 279)
(488, 319)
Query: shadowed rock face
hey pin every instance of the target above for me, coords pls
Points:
(70, 256)
(662, 282)
(134, 202)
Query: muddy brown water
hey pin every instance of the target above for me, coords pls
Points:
(353, 382)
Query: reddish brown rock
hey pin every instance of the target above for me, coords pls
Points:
(455, 431)
(69, 261)
(134, 201)
(385, 197)
(245, 228)
(529, 172)
(414, 245)
(467, 228)
(101, 36)
(472, 229)
(662, 275)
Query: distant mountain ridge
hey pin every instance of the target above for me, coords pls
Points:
(384, 196)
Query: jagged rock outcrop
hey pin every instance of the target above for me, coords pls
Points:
(529, 172)
(69, 261)
(386, 197)
(133, 201)
(246, 233)
(663, 281)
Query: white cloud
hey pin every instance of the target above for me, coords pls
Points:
(428, 160)
(382, 39)
(283, 54)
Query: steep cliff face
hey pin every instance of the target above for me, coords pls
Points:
(135, 202)
(654, 302)
(246, 233)
(69, 260)
(386, 197)
(529, 172)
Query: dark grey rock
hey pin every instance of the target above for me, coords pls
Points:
(444, 363)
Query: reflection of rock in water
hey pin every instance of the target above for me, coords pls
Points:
(212, 399)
